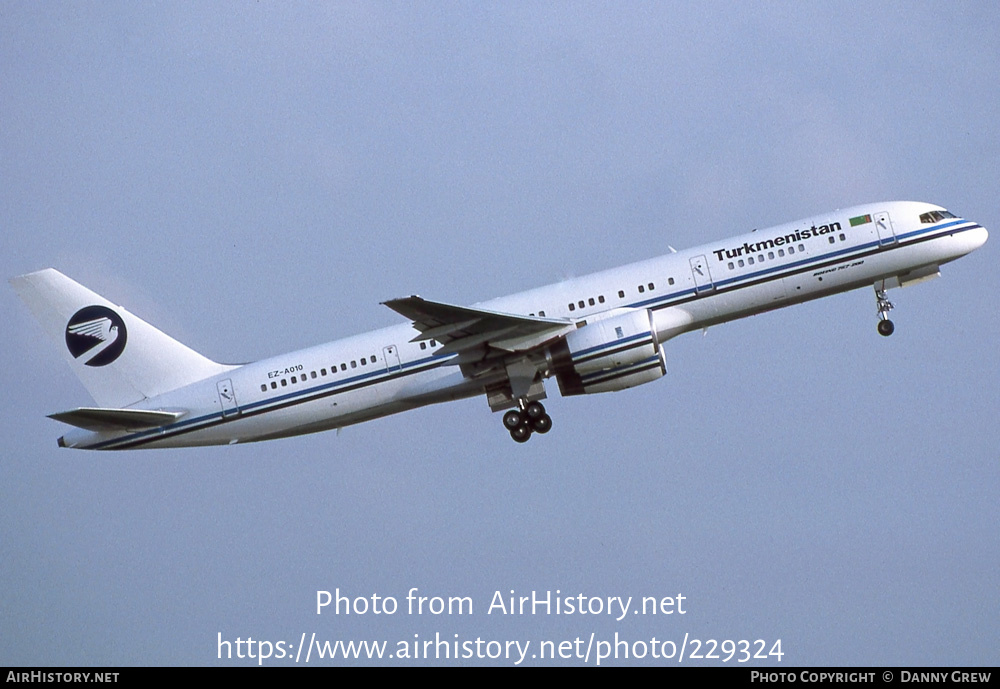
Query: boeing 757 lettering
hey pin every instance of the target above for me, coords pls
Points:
(597, 333)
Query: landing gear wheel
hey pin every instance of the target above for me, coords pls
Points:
(543, 424)
(512, 420)
(885, 326)
(529, 418)
(521, 433)
(534, 410)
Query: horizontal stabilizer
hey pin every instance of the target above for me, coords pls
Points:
(98, 419)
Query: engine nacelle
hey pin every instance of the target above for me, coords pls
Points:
(610, 354)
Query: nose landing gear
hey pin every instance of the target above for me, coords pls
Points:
(885, 326)
(527, 419)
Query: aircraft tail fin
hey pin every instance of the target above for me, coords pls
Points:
(119, 358)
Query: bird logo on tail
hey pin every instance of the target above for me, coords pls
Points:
(98, 333)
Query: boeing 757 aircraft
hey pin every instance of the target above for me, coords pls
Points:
(597, 333)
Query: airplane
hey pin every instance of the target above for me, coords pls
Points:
(602, 332)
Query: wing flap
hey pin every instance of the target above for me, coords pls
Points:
(99, 419)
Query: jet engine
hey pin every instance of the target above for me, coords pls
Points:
(609, 354)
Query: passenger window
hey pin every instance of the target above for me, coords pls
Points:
(274, 386)
(591, 301)
(572, 307)
(641, 289)
(670, 281)
(651, 288)
(621, 294)
(263, 387)
(354, 364)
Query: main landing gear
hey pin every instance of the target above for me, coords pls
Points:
(527, 419)
(885, 326)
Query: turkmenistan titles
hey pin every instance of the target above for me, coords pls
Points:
(799, 235)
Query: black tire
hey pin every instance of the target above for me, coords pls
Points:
(521, 434)
(512, 419)
(885, 328)
(543, 424)
(535, 410)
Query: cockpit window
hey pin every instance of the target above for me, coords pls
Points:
(935, 216)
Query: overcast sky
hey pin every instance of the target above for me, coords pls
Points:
(255, 178)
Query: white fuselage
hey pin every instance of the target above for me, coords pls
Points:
(386, 371)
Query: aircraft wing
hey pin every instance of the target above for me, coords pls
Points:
(461, 328)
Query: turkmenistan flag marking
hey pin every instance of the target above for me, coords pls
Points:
(860, 220)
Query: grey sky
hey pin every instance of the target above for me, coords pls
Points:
(255, 178)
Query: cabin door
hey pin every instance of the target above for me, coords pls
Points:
(391, 357)
(883, 225)
(227, 398)
(702, 278)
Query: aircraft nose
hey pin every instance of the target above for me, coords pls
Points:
(978, 237)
